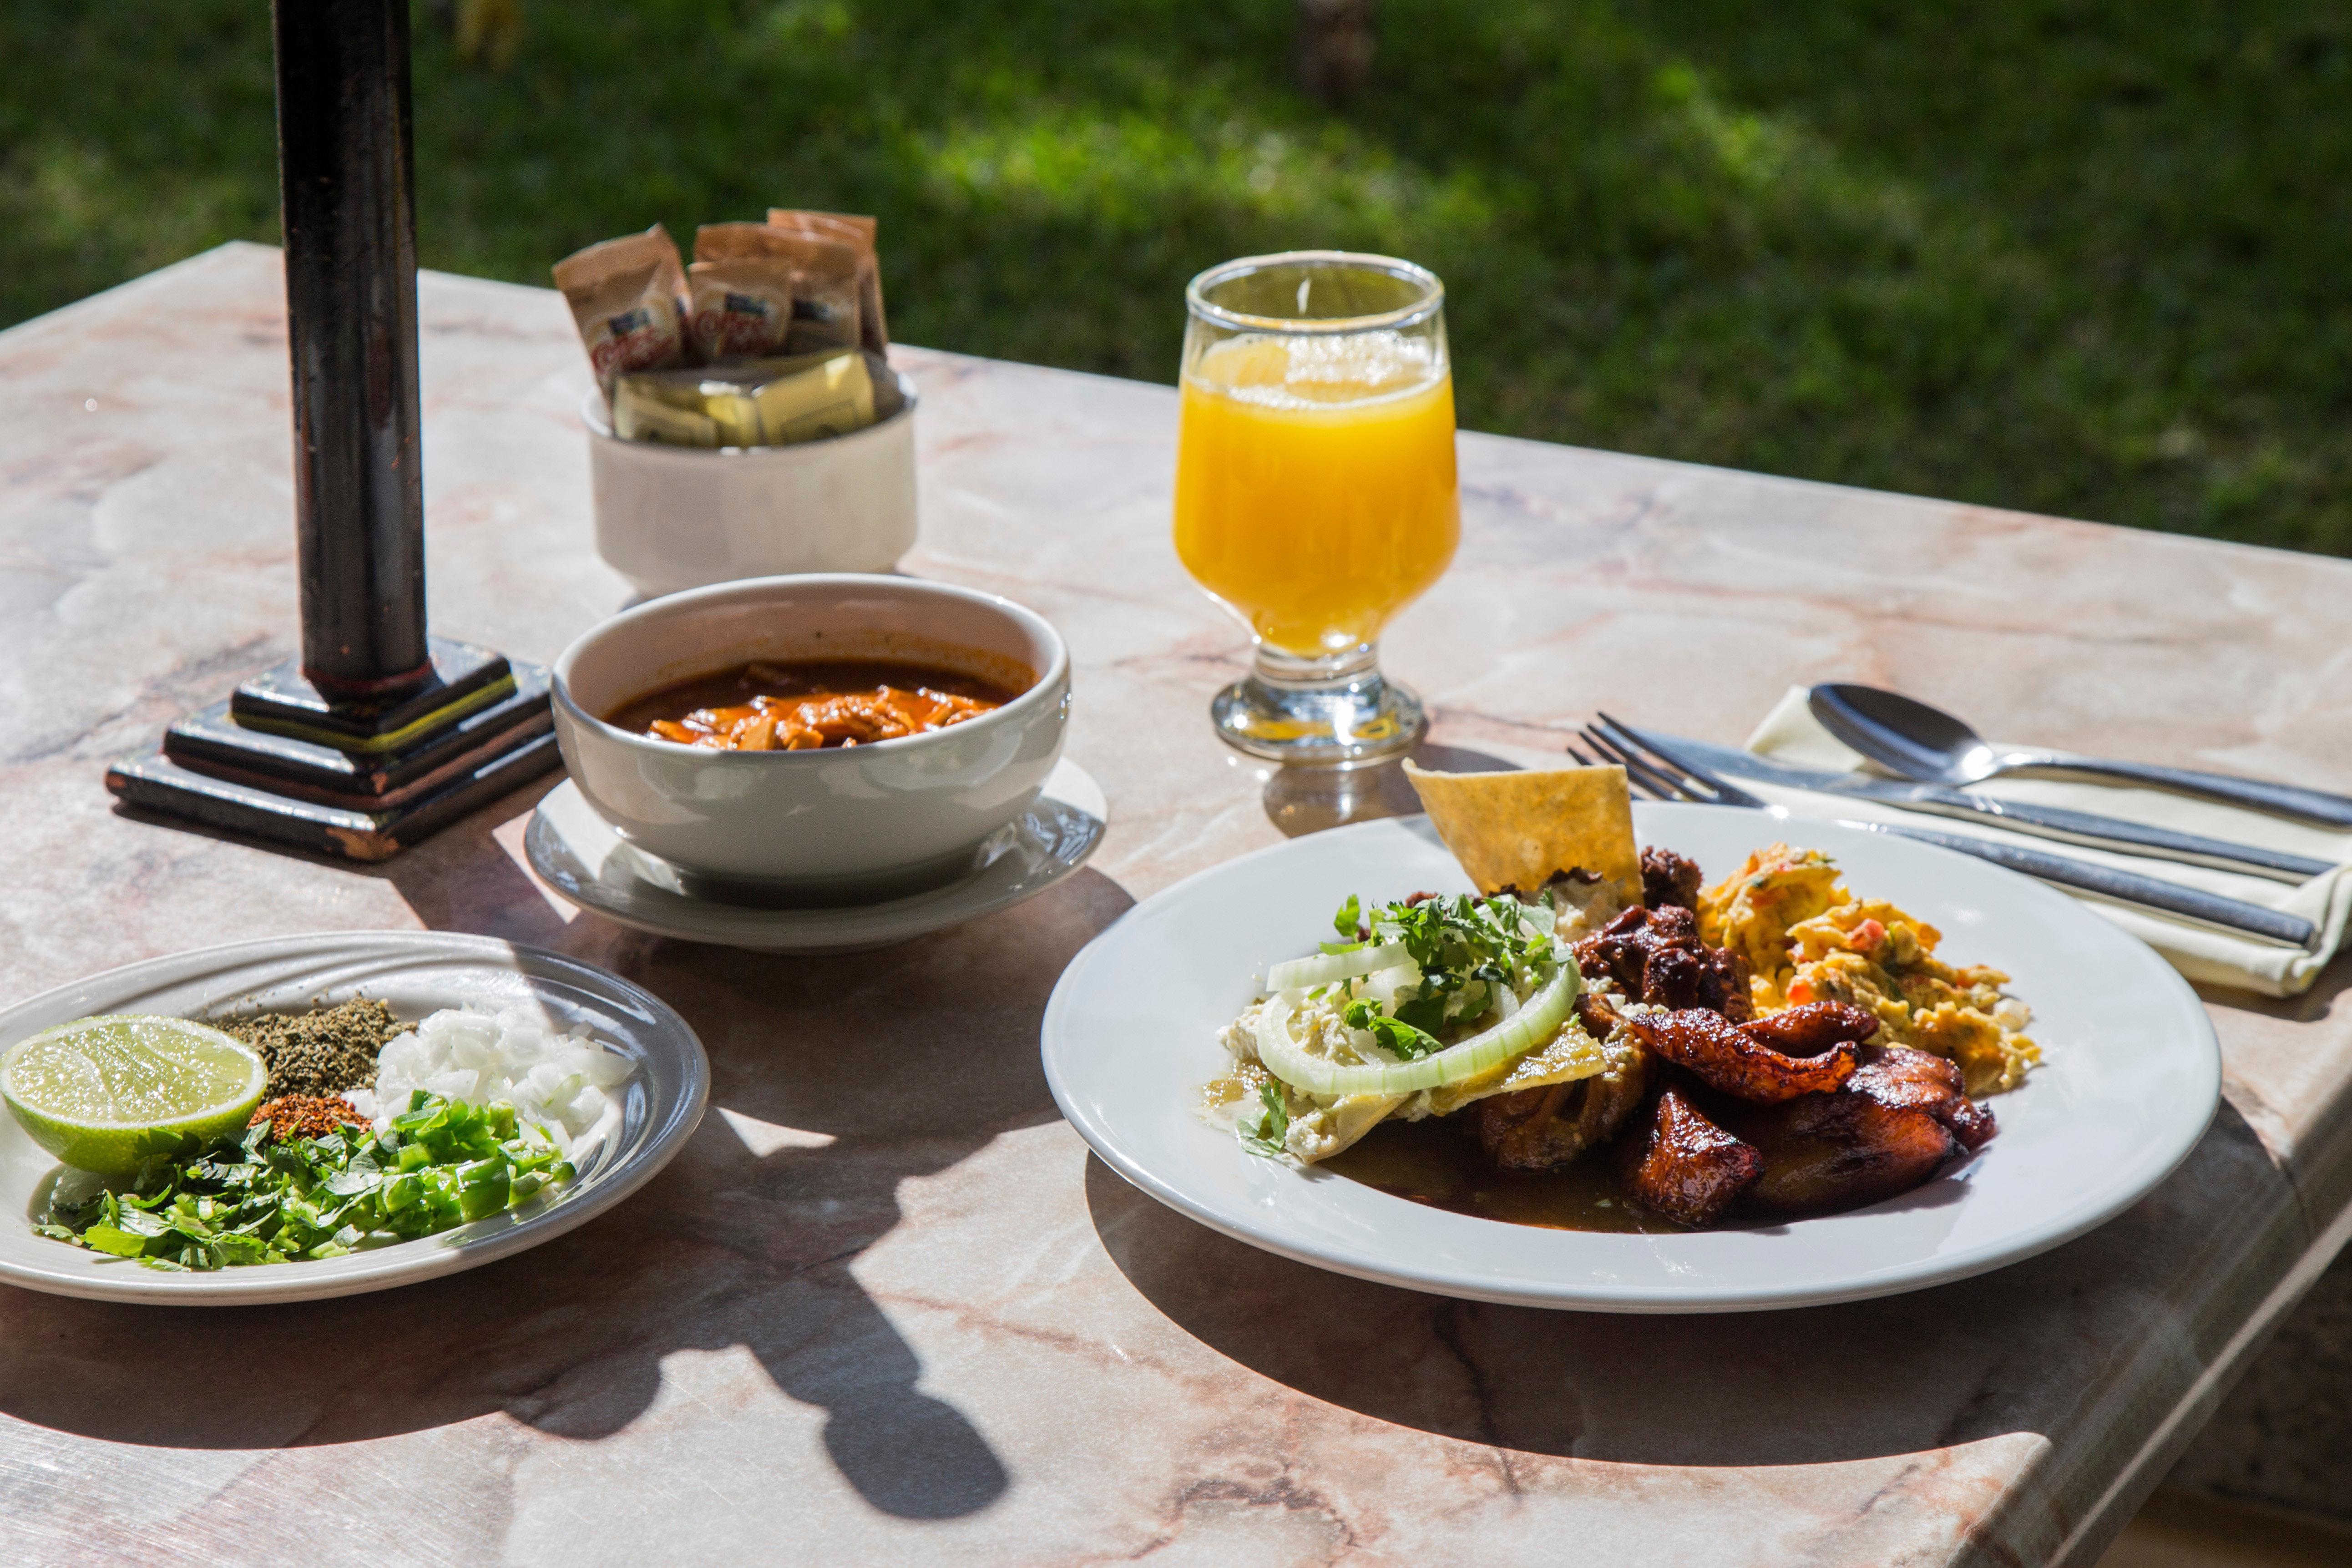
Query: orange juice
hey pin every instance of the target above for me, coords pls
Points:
(1315, 485)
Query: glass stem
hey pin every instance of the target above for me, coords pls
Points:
(1326, 674)
(1336, 710)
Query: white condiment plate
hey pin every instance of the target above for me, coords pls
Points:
(2131, 1077)
(414, 973)
(577, 854)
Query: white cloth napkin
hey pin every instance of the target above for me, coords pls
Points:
(1790, 734)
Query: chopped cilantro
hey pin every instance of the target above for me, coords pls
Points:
(1459, 940)
(1404, 1038)
(264, 1200)
(1465, 947)
(1265, 1129)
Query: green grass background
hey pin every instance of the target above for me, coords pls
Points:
(2088, 257)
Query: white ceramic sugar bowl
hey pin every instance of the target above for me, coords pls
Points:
(669, 518)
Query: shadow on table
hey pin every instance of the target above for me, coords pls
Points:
(1301, 800)
(2317, 1129)
(841, 1079)
(2080, 1338)
(461, 878)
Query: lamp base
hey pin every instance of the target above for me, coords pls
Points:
(361, 781)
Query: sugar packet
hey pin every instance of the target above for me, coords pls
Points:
(628, 297)
(825, 279)
(742, 308)
(860, 233)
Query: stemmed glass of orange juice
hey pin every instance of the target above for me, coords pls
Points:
(1315, 487)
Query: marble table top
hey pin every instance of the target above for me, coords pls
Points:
(886, 1307)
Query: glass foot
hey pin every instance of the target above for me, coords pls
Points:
(1318, 712)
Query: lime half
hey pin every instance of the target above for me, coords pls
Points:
(104, 1094)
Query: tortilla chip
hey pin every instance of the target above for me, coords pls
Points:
(1520, 829)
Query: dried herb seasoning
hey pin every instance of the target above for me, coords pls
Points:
(323, 1052)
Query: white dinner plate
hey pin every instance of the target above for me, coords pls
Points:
(2131, 1076)
(413, 974)
(575, 852)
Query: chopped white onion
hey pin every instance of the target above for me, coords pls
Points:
(557, 1083)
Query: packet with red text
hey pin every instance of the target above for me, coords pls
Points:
(823, 272)
(742, 308)
(628, 296)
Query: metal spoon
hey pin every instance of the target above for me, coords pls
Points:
(1913, 741)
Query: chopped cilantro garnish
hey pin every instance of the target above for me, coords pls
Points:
(1461, 938)
(1399, 1037)
(1265, 1129)
(1465, 947)
(267, 1200)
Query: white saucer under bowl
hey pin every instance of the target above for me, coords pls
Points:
(577, 854)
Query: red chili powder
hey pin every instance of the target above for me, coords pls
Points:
(306, 1115)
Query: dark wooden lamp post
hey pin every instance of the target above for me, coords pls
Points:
(380, 734)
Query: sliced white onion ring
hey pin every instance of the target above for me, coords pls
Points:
(1531, 1025)
(1299, 973)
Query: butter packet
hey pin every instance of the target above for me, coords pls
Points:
(860, 233)
(825, 279)
(640, 415)
(834, 396)
(686, 408)
(742, 308)
(628, 297)
(759, 403)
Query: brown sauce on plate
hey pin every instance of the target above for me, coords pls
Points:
(1436, 1162)
(793, 705)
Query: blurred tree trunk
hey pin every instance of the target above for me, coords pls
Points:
(1335, 47)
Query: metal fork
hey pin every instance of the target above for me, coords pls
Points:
(1659, 774)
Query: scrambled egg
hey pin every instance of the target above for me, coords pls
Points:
(1807, 939)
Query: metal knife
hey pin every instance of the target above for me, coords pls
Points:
(2129, 886)
(2043, 821)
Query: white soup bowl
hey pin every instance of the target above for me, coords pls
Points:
(847, 824)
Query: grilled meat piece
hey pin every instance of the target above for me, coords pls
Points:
(1740, 1059)
(1900, 1078)
(1685, 1166)
(1655, 956)
(1897, 1121)
(1534, 1129)
(1668, 878)
(1815, 1027)
(1827, 1153)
